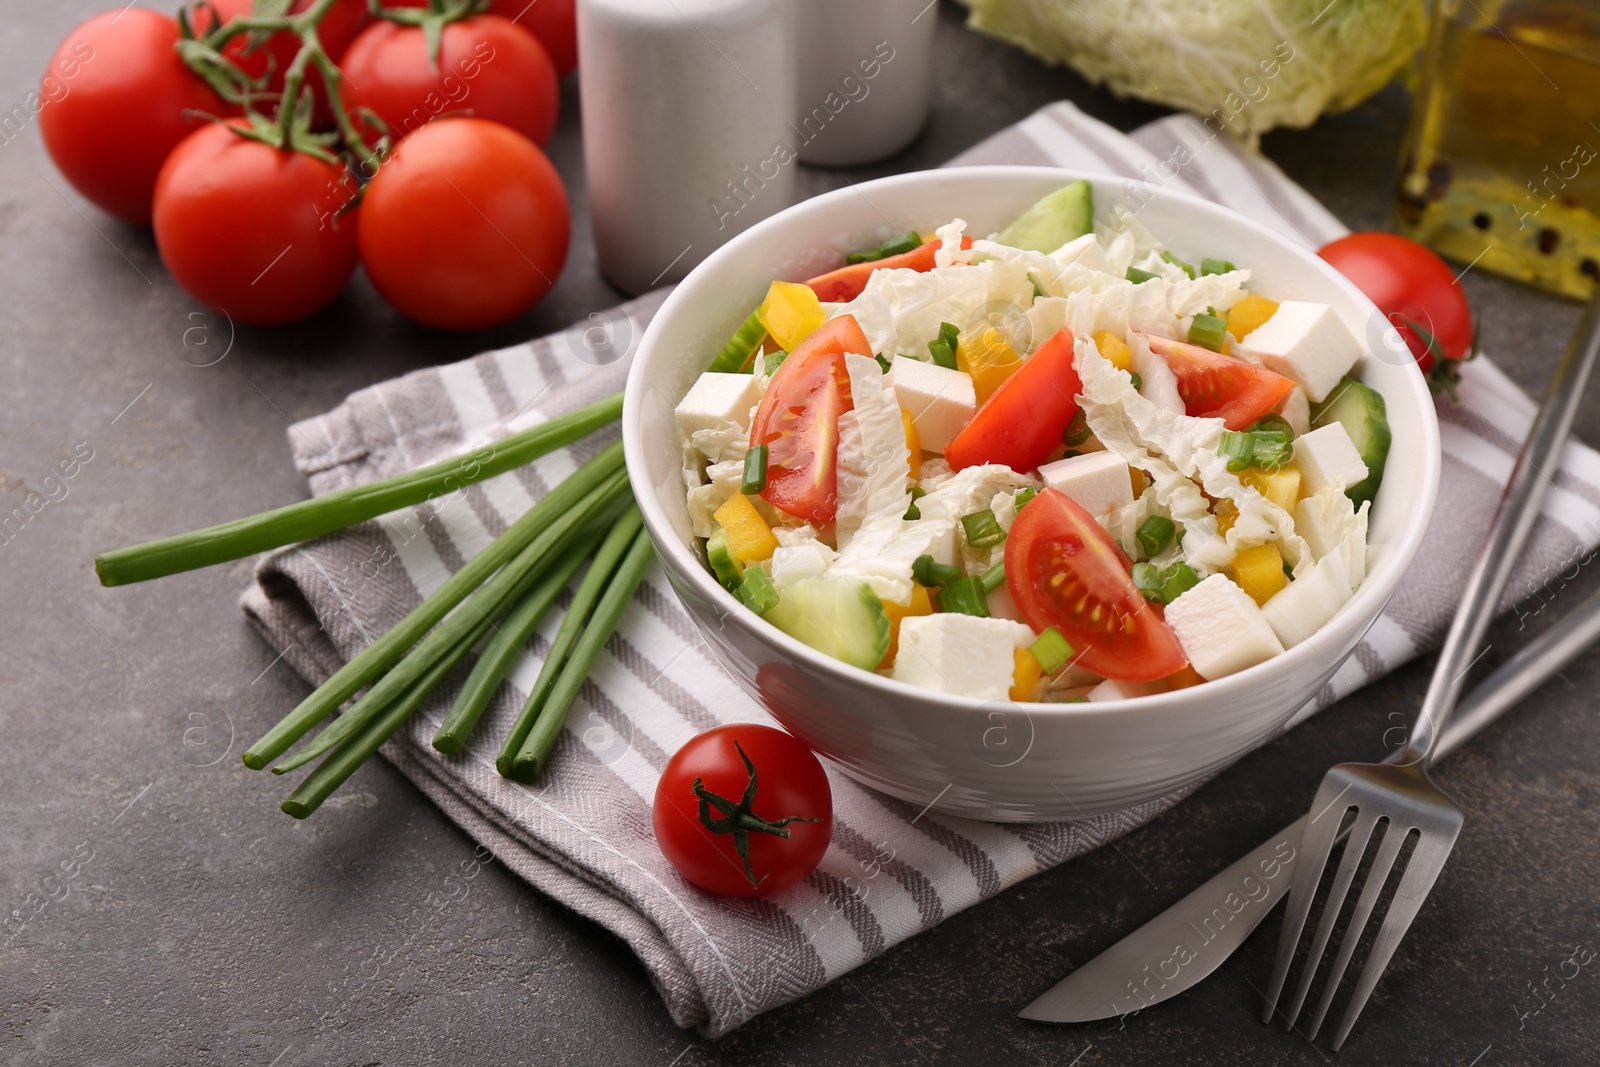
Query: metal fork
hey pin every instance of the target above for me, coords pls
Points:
(1398, 798)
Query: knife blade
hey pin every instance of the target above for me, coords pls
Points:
(1184, 944)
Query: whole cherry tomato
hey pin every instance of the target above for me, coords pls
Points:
(554, 22)
(253, 229)
(743, 810)
(1416, 291)
(488, 67)
(465, 225)
(116, 96)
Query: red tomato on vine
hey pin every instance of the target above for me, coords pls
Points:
(553, 22)
(117, 101)
(238, 225)
(487, 67)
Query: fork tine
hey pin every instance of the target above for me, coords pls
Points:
(1382, 864)
(1355, 847)
(1315, 846)
(1427, 860)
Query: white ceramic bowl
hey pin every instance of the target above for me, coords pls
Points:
(1000, 760)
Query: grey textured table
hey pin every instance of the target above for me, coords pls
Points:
(203, 926)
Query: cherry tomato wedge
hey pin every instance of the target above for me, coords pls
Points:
(1413, 287)
(846, 283)
(1022, 423)
(743, 810)
(798, 421)
(1222, 387)
(1064, 570)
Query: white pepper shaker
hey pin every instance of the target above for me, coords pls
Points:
(866, 78)
(686, 138)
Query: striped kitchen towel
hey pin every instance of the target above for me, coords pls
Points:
(583, 834)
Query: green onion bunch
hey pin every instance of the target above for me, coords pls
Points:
(493, 605)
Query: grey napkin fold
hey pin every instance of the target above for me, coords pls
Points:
(583, 834)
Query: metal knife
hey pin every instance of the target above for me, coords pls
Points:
(1191, 939)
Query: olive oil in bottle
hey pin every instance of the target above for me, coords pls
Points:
(1502, 161)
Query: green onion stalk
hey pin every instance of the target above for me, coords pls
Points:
(347, 507)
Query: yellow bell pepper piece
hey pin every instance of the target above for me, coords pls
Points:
(1112, 347)
(790, 312)
(1259, 571)
(988, 357)
(1025, 674)
(913, 443)
(1281, 486)
(749, 536)
(1249, 313)
(921, 604)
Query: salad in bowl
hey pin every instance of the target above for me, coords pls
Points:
(1057, 463)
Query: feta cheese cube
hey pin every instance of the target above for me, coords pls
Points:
(961, 654)
(1221, 629)
(717, 400)
(1328, 459)
(1307, 342)
(941, 400)
(1099, 482)
(1111, 689)
(1302, 607)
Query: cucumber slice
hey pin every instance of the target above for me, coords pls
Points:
(724, 564)
(1065, 214)
(1360, 410)
(838, 616)
(734, 354)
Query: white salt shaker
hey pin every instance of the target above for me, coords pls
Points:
(866, 78)
(686, 136)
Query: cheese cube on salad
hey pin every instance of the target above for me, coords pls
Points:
(1109, 522)
(940, 400)
(1327, 458)
(716, 401)
(1099, 481)
(953, 653)
(1307, 342)
(1221, 629)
